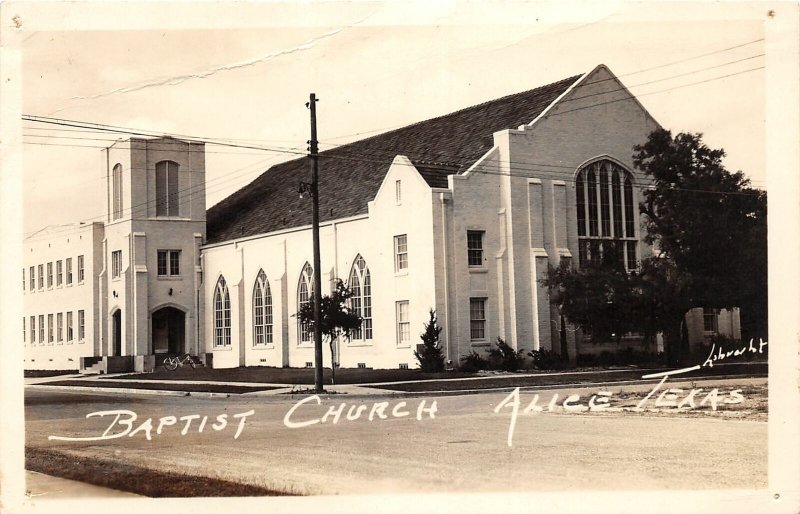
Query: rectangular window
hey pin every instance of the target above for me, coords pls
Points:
(59, 273)
(49, 328)
(400, 252)
(41, 276)
(169, 263)
(709, 320)
(116, 263)
(49, 275)
(403, 323)
(33, 329)
(80, 269)
(81, 328)
(477, 319)
(398, 192)
(69, 327)
(60, 327)
(69, 271)
(41, 328)
(32, 278)
(475, 247)
(632, 261)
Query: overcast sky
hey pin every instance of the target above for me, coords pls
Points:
(374, 66)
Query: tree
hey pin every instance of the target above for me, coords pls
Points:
(600, 297)
(711, 227)
(337, 319)
(431, 359)
(708, 227)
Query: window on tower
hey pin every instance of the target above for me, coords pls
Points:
(167, 194)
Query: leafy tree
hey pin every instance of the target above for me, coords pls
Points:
(710, 225)
(337, 319)
(431, 358)
(600, 297)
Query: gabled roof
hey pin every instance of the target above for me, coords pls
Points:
(351, 174)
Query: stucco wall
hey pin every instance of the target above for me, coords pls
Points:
(55, 245)
(523, 195)
(282, 256)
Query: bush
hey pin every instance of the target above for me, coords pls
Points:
(504, 357)
(547, 360)
(430, 359)
(473, 362)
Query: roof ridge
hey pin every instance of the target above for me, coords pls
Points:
(573, 78)
(455, 139)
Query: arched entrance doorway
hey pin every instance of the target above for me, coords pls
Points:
(116, 330)
(168, 330)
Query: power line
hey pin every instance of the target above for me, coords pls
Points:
(454, 167)
(601, 80)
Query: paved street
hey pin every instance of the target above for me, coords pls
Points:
(464, 448)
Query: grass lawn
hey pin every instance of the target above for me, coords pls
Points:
(135, 479)
(598, 376)
(40, 373)
(292, 376)
(448, 379)
(208, 388)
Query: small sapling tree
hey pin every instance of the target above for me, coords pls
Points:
(337, 319)
(430, 358)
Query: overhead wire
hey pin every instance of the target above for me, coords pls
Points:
(84, 126)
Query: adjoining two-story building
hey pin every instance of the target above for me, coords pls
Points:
(462, 214)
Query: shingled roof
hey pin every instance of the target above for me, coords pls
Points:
(351, 174)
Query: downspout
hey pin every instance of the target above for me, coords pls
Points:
(445, 267)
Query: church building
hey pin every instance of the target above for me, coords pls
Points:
(462, 214)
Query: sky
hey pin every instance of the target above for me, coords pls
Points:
(374, 66)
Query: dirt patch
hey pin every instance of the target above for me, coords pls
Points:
(136, 479)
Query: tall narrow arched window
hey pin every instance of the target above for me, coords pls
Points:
(116, 191)
(606, 213)
(262, 310)
(305, 290)
(360, 284)
(222, 314)
(167, 189)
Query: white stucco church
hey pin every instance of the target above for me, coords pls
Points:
(462, 213)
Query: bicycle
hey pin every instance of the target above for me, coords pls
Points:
(172, 363)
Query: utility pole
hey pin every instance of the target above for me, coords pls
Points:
(317, 288)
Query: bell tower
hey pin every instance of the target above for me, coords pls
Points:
(156, 222)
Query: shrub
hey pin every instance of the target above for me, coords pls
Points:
(504, 357)
(430, 359)
(547, 360)
(473, 362)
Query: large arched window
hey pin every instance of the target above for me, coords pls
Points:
(116, 191)
(167, 189)
(222, 314)
(262, 310)
(305, 290)
(606, 214)
(361, 302)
